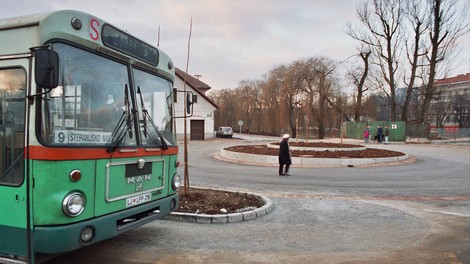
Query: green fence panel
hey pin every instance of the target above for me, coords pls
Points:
(397, 129)
(416, 130)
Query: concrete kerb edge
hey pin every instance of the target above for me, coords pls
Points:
(224, 218)
(272, 145)
(306, 162)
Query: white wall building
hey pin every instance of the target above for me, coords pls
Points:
(199, 126)
(451, 103)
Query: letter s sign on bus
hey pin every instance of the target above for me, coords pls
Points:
(94, 29)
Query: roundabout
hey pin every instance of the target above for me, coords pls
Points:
(313, 154)
(205, 205)
(412, 212)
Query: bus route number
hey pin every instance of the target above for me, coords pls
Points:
(61, 137)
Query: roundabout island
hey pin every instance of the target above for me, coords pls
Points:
(312, 154)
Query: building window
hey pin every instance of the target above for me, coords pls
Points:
(194, 98)
(175, 95)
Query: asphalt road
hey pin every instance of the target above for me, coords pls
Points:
(416, 211)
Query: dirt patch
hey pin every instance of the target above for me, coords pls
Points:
(208, 201)
(320, 145)
(367, 153)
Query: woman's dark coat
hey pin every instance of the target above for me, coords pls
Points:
(284, 153)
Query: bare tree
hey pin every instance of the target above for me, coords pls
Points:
(317, 86)
(381, 32)
(359, 82)
(249, 102)
(271, 99)
(290, 89)
(415, 50)
(307, 76)
(447, 26)
(226, 100)
(285, 100)
(323, 68)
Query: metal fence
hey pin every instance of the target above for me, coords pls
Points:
(404, 131)
(449, 133)
(356, 129)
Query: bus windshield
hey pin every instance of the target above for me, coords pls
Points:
(94, 103)
(155, 98)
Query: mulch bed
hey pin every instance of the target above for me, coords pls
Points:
(208, 201)
(367, 153)
(319, 145)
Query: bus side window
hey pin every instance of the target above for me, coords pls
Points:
(1, 111)
(6, 115)
(12, 104)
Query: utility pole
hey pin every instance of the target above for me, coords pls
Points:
(186, 174)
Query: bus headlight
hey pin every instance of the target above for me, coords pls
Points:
(176, 182)
(73, 204)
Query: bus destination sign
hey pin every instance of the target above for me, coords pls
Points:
(126, 43)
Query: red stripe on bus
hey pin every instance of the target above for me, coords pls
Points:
(45, 153)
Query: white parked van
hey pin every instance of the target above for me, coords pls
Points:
(224, 132)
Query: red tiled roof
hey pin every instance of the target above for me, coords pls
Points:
(455, 79)
(192, 81)
(198, 86)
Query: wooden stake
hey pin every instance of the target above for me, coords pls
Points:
(186, 173)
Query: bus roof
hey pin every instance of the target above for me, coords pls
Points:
(21, 21)
(78, 27)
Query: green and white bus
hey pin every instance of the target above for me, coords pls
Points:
(87, 140)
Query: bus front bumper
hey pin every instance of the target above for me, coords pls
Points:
(58, 239)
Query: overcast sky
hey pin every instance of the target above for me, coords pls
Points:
(232, 40)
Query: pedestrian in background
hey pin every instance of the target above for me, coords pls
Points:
(284, 156)
(379, 133)
(366, 134)
(370, 133)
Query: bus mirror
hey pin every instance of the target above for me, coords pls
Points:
(46, 68)
(188, 103)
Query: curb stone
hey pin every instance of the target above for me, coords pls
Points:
(360, 147)
(306, 162)
(224, 218)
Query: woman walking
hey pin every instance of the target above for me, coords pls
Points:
(284, 156)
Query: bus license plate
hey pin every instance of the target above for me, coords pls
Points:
(138, 199)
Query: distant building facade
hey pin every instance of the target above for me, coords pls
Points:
(450, 106)
(199, 126)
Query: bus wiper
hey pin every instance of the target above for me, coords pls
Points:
(143, 110)
(146, 116)
(128, 110)
(120, 131)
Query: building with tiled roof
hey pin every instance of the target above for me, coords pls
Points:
(193, 81)
(451, 103)
(459, 79)
(200, 125)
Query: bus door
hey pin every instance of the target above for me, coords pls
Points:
(13, 184)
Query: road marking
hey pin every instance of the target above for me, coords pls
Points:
(448, 213)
